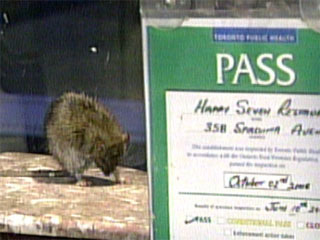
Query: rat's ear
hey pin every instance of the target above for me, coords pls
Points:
(125, 138)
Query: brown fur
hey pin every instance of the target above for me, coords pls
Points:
(81, 131)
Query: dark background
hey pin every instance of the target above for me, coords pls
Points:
(49, 47)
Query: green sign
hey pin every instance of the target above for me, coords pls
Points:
(233, 112)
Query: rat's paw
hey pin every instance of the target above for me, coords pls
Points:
(120, 178)
(123, 180)
(84, 183)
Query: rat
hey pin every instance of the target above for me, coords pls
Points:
(81, 132)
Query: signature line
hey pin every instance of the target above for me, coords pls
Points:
(247, 196)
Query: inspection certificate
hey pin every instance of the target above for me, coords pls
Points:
(233, 110)
(243, 165)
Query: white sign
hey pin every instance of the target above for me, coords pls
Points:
(257, 158)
